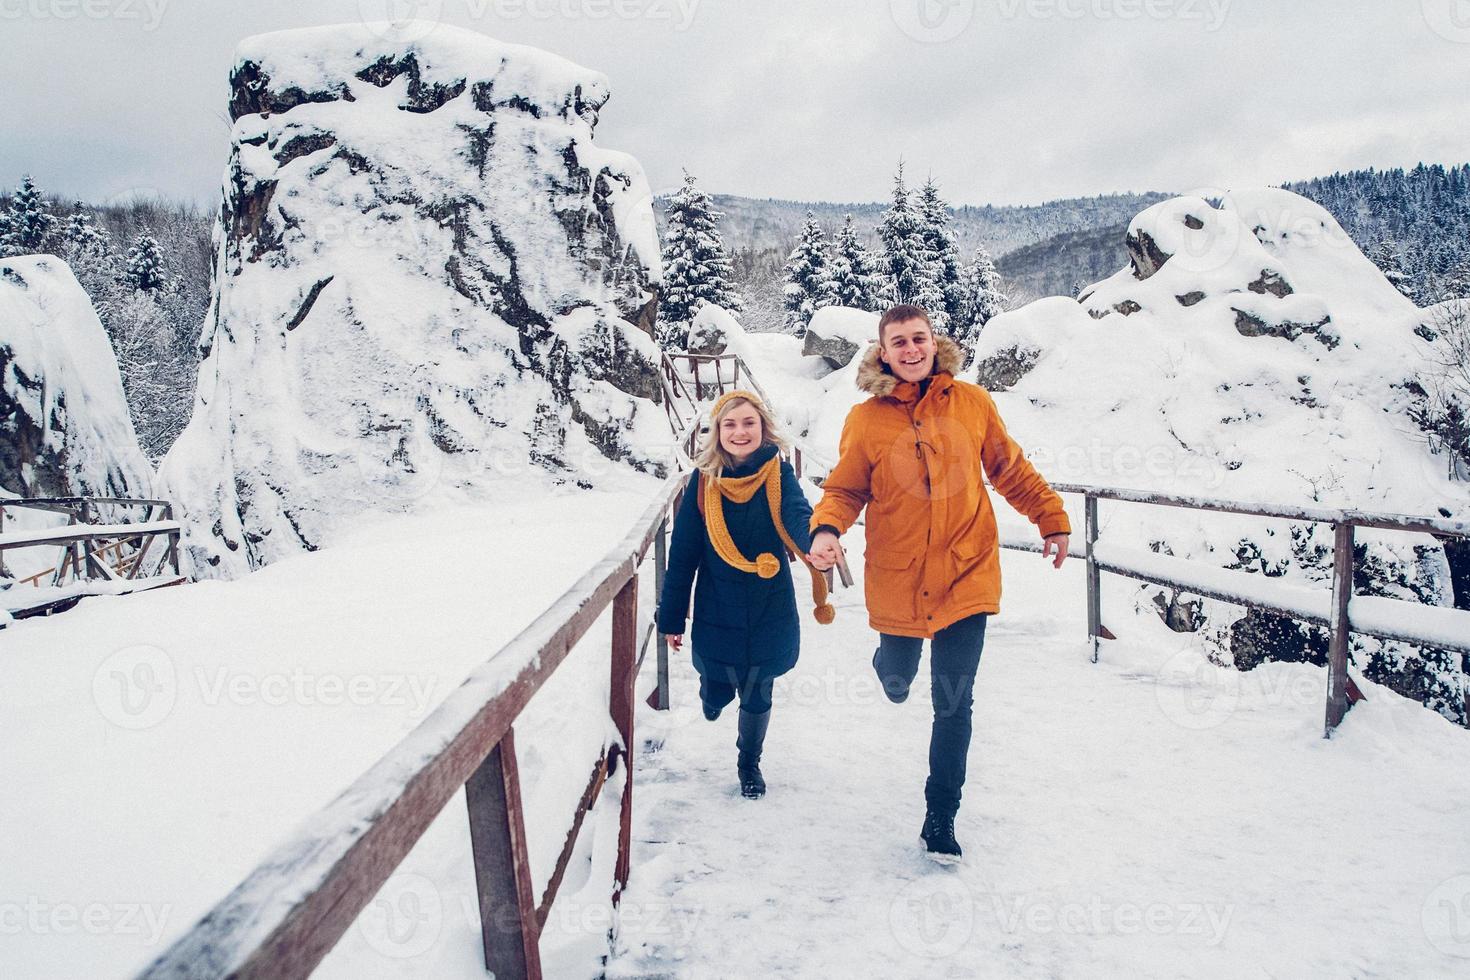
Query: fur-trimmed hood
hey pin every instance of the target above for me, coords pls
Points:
(874, 377)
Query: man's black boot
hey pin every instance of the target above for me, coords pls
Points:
(750, 740)
(938, 838)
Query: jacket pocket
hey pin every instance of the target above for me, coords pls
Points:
(890, 586)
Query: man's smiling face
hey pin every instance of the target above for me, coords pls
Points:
(908, 349)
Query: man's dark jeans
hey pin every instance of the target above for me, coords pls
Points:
(954, 656)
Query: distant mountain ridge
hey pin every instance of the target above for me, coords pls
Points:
(761, 223)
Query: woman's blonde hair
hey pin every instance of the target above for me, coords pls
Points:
(712, 458)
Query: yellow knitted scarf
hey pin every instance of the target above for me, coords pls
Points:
(740, 489)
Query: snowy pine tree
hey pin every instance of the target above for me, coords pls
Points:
(1457, 283)
(983, 296)
(855, 278)
(808, 282)
(906, 265)
(944, 254)
(1386, 256)
(696, 266)
(146, 269)
(29, 225)
(82, 236)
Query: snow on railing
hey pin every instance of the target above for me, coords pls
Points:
(294, 907)
(1337, 609)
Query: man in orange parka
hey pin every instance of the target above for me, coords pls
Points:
(916, 454)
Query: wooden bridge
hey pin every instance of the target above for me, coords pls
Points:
(293, 908)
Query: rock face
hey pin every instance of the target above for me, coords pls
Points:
(1248, 352)
(428, 277)
(837, 333)
(64, 423)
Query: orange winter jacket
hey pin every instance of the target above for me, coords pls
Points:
(916, 463)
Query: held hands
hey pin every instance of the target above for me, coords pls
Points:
(1055, 543)
(825, 551)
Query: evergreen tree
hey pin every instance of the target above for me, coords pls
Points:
(984, 297)
(1386, 256)
(696, 266)
(146, 270)
(944, 255)
(29, 224)
(82, 236)
(809, 285)
(906, 265)
(855, 278)
(1457, 283)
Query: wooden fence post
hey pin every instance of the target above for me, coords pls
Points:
(508, 926)
(660, 564)
(1337, 649)
(624, 663)
(1094, 597)
(173, 539)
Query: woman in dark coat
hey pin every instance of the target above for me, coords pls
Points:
(727, 544)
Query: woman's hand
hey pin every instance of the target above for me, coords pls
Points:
(676, 640)
(825, 551)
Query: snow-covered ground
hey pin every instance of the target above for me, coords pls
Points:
(1151, 814)
(1148, 815)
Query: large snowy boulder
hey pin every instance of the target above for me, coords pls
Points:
(64, 423)
(428, 276)
(713, 330)
(1249, 352)
(837, 333)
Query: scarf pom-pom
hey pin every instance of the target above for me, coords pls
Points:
(767, 565)
(825, 613)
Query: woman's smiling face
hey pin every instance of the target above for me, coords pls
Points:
(741, 431)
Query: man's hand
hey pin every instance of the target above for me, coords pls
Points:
(676, 640)
(1057, 543)
(825, 551)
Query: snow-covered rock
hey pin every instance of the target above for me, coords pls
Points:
(714, 330)
(428, 277)
(837, 333)
(1250, 352)
(64, 423)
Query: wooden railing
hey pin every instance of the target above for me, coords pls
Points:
(1338, 610)
(710, 377)
(91, 550)
(292, 909)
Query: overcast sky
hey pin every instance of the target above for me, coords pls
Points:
(1002, 101)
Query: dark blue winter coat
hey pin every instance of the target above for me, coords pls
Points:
(740, 619)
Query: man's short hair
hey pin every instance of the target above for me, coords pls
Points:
(902, 313)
